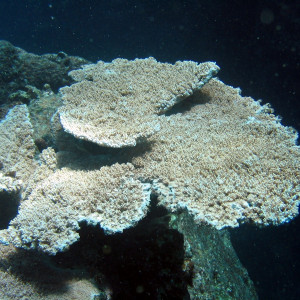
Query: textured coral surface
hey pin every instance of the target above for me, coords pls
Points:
(26, 275)
(48, 219)
(224, 157)
(116, 104)
(17, 146)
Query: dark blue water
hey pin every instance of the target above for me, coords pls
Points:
(256, 45)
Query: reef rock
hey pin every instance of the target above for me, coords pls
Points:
(20, 71)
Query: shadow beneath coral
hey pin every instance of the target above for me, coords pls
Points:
(144, 262)
(198, 97)
(9, 204)
(88, 156)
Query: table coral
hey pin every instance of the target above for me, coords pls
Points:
(226, 159)
(49, 219)
(223, 157)
(116, 104)
(17, 148)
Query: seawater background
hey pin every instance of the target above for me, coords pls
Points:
(256, 44)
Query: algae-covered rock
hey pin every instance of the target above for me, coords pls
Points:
(216, 272)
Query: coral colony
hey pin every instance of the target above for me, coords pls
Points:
(186, 137)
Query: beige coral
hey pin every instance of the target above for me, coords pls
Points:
(17, 147)
(226, 159)
(49, 219)
(44, 280)
(9, 184)
(116, 104)
(47, 166)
